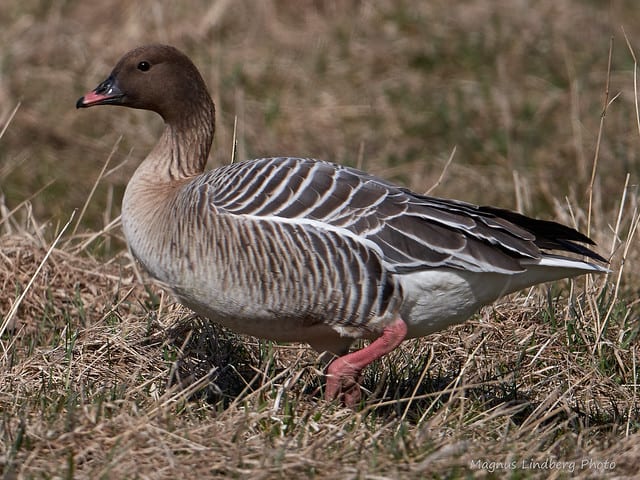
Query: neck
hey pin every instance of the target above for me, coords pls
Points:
(183, 149)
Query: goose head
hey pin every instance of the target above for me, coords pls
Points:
(159, 78)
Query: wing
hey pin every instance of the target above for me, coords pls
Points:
(410, 231)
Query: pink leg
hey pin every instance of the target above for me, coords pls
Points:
(344, 372)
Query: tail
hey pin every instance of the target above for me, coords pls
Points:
(580, 267)
(548, 269)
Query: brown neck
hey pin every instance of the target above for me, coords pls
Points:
(183, 149)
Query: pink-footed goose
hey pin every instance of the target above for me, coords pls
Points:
(301, 250)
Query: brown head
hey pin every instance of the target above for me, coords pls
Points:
(159, 78)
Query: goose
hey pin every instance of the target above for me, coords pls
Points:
(304, 250)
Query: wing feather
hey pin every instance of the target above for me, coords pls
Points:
(410, 231)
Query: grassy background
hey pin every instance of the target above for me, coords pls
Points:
(93, 363)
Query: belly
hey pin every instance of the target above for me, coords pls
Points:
(257, 321)
(432, 301)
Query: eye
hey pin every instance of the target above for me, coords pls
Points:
(144, 66)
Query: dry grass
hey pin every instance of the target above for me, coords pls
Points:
(104, 377)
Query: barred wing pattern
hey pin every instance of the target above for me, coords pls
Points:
(408, 231)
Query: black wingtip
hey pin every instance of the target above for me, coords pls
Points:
(549, 235)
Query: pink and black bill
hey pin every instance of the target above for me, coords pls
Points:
(107, 93)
